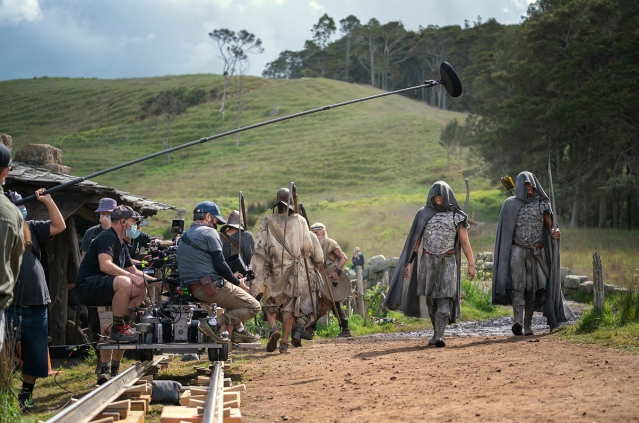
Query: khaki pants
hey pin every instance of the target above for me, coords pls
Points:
(238, 304)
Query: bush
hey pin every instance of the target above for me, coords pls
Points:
(374, 297)
(477, 295)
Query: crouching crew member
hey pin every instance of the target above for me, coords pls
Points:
(209, 278)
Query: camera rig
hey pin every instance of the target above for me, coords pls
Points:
(167, 322)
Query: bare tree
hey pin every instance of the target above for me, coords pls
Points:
(225, 39)
(246, 43)
(349, 26)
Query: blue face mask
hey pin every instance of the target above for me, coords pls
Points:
(23, 210)
(133, 232)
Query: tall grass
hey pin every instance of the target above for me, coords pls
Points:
(9, 406)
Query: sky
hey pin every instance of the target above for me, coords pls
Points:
(140, 38)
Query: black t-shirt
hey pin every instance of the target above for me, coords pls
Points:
(31, 286)
(109, 243)
(136, 244)
(91, 234)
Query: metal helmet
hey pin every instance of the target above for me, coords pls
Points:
(283, 198)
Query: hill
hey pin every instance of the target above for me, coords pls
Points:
(362, 169)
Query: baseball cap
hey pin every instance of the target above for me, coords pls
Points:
(122, 212)
(209, 207)
(5, 156)
(106, 205)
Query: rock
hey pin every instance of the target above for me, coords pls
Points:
(375, 259)
(568, 292)
(352, 274)
(6, 140)
(583, 278)
(572, 281)
(39, 154)
(488, 266)
(485, 256)
(585, 287)
(565, 271)
(392, 262)
(365, 273)
(57, 168)
(613, 289)
(274, 112)
(380, 265)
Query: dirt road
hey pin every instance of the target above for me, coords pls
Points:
(388, 378)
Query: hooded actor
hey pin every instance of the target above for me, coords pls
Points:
(523, 271)
(436, 238)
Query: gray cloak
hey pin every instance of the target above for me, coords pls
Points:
(409, 304)
(549, 300)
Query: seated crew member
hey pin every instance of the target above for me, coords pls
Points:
(231, 245)
(209, 278)
(108, 277)
(143, 240)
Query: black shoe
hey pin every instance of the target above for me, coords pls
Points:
(345, 333)
(103, 378)
(297, 338)
(307, 335)
(517, 328)
(114, 371)
(26, 402)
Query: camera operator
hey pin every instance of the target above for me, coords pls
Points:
(231, 245)
(204, 270)
(143, 240)
(108, 277)
(28, 315)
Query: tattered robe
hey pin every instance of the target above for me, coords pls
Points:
(281, 281)
(408, 303)
(550, 300)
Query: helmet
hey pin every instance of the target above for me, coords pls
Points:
(283, 196)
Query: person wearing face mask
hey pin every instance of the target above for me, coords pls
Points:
(436, 239)
(11, 241)
(209, 278)
(28, 314)
(107, 277)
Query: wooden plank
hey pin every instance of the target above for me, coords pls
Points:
(204, 379)
(196, 403)
(227, 382)
(138, 388)
(185, 401)
(175, 414)
(121, 407)
(232, 404)
(234, 417)
(139, 405)
(113, 414)
(103, 420)
(134, 417)
(199, 391)
(148, 378)
(226, 412)
(232, 396)
(236, 388)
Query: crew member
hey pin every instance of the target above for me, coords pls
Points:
(334, 261)
(208, 277)
(280, 280)
(522, 259)
(105, 207)
(230, 236)
(11, 241)
(107, 276)
(29, 312)
(437, 235)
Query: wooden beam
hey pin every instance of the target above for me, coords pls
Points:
(58, 257)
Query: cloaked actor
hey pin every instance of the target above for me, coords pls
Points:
(522, 275)
(436, 238)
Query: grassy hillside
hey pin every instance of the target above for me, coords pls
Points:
(362, 169)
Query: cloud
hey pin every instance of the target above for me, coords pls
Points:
(16, 11)
(316, 7)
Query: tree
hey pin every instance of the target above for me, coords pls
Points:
(289, 64)
(166, 105)
(225, 39)
(322, 32)
(349, 26)
(246, 43)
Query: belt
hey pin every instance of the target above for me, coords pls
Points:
(524, 245)
(446, 253)
(195, 286)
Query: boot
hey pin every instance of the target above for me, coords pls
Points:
(104, 375)
(435, 334)
(518, 314)
(346, 330)
(297, 337)
(530, 310)
(440, 326)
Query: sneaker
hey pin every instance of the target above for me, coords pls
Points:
(244, 337)
(212, 332)
(121, 334)
(26, 402)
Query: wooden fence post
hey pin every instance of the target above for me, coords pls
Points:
(598, 285)
(360, 291)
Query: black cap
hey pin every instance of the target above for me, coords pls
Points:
(5, 156)
(122, 212)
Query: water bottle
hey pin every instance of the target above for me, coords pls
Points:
(158, 333)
